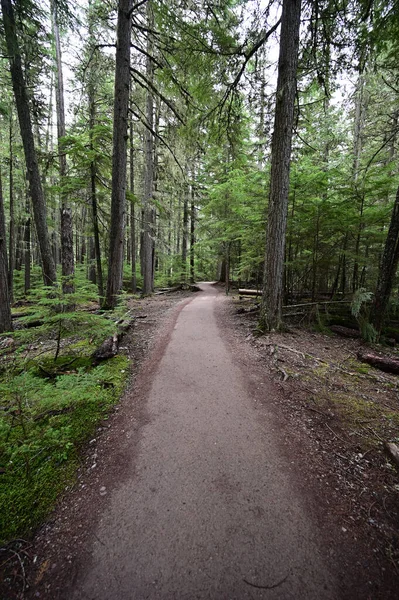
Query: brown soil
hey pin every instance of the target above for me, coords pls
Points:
(336, 413)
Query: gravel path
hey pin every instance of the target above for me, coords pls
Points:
(209, 509)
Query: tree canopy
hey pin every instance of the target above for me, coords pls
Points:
(157, 167)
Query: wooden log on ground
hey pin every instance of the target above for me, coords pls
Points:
(108, 349)
(168, 290)
(242, 311)
(243, 292)
(393, 452)
(345, 331)
(384, 363)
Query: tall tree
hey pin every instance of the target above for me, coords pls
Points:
(11, 228)
(25, 123)
(148, 212)
(387, 270)
(67, 258)
(271, 308)
(119, 155)
(91, 94)
(5, 310)
(133, 250)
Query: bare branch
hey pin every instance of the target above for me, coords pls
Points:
(155, 134)
(150, 86)
(136, 6)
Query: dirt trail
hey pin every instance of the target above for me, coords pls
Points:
(208, 510)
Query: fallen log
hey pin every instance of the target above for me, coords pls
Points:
(318, 303)
(346, 332)
(108, 349)
(393, 452)
(243, 292)
(176, 288)
(384, 363)
(242, 311)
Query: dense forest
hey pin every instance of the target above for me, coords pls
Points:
(148, 144)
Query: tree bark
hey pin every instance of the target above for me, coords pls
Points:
(92, 273)
(27, 249)
(67, 258)
(387, 270)
(271, 312)
(91, 92)
(185, 234)
(383, 363)
(192, 236)
(5, 308)
(94, 208)
(11, 229)
(361, 102)
(133, 250)
(25, 122)
(147, 250)
(119, 156)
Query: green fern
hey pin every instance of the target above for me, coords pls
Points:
(359, 310)
(360, 298)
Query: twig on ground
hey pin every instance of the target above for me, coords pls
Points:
(266, 587)
(22, 569)
(371, 506)
(319, 412)
(334, 434)
(284, 374)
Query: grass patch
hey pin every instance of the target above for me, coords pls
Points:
(51, 399)
(43, 424)
(354, 408)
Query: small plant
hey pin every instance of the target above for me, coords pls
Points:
(360, 311)
(52, 398)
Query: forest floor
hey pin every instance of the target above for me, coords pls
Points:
(333, 414)
(338, 413)
(22, 566)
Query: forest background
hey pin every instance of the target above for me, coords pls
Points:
(161, 163)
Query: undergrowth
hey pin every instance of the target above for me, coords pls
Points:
(52, 397)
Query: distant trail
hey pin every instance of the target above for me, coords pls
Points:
(209, 511)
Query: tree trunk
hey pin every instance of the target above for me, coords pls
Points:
(27, 252)
(227, 282)
(119, 156)
(94, 208)
(92, 261)
(5, 308)
(360, 116)
(25, 122)
(11, 229)
(149, 170)
(387, 270)
(192, 236)
(271, 313)
(67, 258)
(133, 250)
(185, 234)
